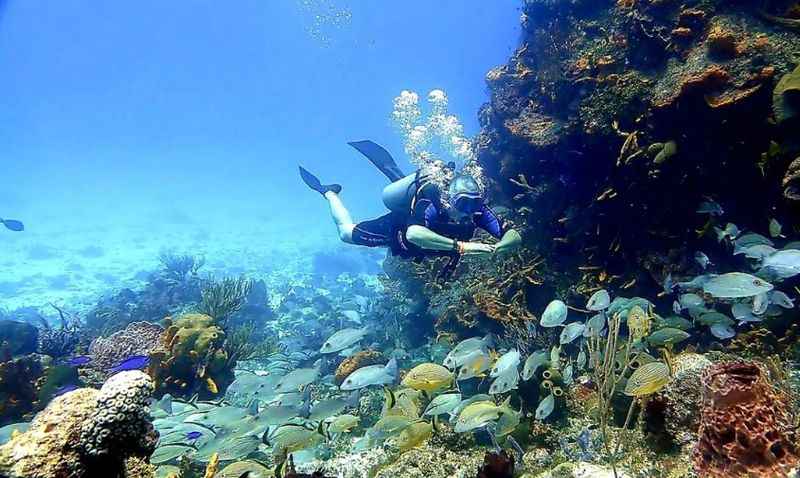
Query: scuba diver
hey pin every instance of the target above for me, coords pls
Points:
(12, 224)
(420, 223)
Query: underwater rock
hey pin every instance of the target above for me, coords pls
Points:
(86, 433)
(17, 338)
(18, 378)
(722, 43)
(137, 338)
(497, 465)
(676, 408)
(744, 425)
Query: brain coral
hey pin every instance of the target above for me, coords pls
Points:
(85, 433)
(744, 426)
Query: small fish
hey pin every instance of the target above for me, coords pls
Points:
(730, 232)
(442, 404)
(371, 375)
(775, 228)
(134, 362)
(78, 361)
(13, 225)
(744, 313)
(581, 361)
(505, 382)
(533, 362)
(782, 264)
(756, 251)
(647, 379)
(690, 300)
(343, 423)
(64, 389)
(566, 375)
(211, 385)
(760, 303)
(735, 285)
(570, 332)
(722, 331)
(667, 336)
(555, 357)
(595, 325)
(668, 284)
(702, 259)
(676, 307)
(476, 415)
(352, 315)
(751, 239)
(505, 363)
(710, 207)
(475, 365)
(600, 300)
(554, 314)
(713, 318)
(191, 436)
(461, 351)
(343, 339)
(546, 407)
(780, 299)
(297, 379)
(428, 377)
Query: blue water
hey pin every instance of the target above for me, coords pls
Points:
(135, 127)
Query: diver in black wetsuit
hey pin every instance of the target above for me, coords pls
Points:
(419, 224)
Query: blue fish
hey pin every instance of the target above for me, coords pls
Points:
(64, 389)
(13, 225)
(134, 362)
(78, 361)
(193, 435)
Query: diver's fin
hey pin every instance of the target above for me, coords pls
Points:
(312, 182)
(380, 158)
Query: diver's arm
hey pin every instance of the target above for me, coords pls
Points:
(510, 241)
(424, 238)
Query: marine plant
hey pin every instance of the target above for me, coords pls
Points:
(220, 299)
(176, 267)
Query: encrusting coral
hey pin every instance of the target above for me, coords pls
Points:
(744, 425)
(86, 433)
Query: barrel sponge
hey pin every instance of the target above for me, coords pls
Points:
(744, 425)
(120, 423)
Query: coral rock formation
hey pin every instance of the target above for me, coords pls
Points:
(86, 433)
(744, 427)
(18, 379)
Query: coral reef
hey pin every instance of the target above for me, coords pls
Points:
(744, 425)
(17, 338)
(86, 433)
(195, 360)
(137, 338)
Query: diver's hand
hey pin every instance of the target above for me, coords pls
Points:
(475, 248)
(510, 241)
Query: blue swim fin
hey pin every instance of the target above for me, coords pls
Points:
(381, 158)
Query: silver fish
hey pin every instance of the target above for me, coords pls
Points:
(581, 361)
(780, 299)
(760, 303)
(722, 331)
(775, 228)
(342, 340)
(545, 407)
(442, 404)
(756, 251)
(600, 300)
(505, 382)
(297, 379)
(702, 259)
(595, 325)
(731, 232)
(474, 365)
(533, 362)
(782, 264)
(462, 350)
(371, 375)
(566, 375)
(571, 332)
(696, 283)
(743, 313)
(554, 314)
(508, 361)
(690, 300)
(751, 239)
(676, 307)
(735, 285)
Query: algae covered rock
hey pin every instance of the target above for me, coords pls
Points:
(582, 470)
(86, 433)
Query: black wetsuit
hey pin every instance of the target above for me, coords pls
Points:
(426, 210)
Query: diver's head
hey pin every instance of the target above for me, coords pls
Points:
(465, 194)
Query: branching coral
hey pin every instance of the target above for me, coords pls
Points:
(744, 426)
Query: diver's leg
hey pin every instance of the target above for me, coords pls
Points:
(341, 217)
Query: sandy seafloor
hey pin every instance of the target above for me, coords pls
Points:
(74, 266)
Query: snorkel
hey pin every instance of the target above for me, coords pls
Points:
(465, 194)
